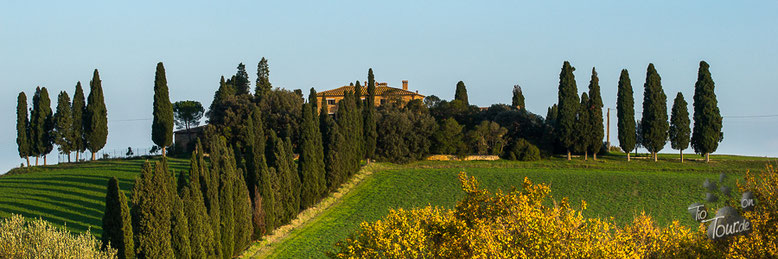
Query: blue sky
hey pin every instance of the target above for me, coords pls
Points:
(490, 45)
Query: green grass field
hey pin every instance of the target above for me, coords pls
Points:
(69, 194)
(611, 187)
(73, 194)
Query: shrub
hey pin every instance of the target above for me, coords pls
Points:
(40, 239)
(762, 242)
(517, 224)
(522, 150)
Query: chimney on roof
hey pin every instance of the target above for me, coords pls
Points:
(405, 85)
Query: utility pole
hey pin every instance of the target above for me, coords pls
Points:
(608, 129)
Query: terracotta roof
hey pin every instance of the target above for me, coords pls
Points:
(379, 90)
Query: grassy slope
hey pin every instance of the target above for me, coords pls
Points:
(70, 194)
(611, 187)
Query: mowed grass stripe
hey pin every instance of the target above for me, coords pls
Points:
(71, 195)
(663, 190)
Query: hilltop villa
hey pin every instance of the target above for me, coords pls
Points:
(383, 92)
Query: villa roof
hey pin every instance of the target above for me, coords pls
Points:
(380, 90)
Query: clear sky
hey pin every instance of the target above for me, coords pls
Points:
(490, 45)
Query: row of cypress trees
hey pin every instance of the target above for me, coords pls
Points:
(75, 126)
(654, 127)
(203, 214)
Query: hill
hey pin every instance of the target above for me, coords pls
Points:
(73, 194)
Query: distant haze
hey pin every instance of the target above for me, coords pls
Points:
(433, 44)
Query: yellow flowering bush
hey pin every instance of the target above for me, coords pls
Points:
(519, 225)
(40, 239)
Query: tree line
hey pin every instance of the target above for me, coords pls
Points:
(75, 126)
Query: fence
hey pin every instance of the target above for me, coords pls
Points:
(109, 154)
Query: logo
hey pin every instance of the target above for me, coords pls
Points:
(727, 221)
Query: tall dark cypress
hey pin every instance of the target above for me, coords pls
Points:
(200, 234)
(63, 124)
(242, 213)
(595, 110)
(23, 128)
(179, 227)
(518, 98)
(311, 163)
(162, 125)
(117, 224)
(79, 107)
(263, 79)
(625, 111)
(583, 126)
(461, 93)
(258, 178)
(349, 123)
(654, 119)
(314, 101)
(679, 125)
(707, 117)
(223, 170)
(95, 117)
(209, 188)
(151, 211)
(41, 125)
(568, 107)
(358, 95)
(369, 121)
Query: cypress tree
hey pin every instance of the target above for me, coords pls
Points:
(358, 95)
(151, 211)
(461, 93)
(201, 176)
(311, 163)
(679, 125)
(568, 107)
(197, 217)
(583, 126)
(263, 79)
(217, 110)
(63, 124)
(117, 224)
(707, 118)
(41, 124)
(179, 226)
(313, 100)
(162, 125)
(369, 121)
(258, 179)
(654, 119)
(333, 147)
(625, 111)
(79, 107)
(95, 117)
(595, 110)
(242, 209)
(350, 125)
(288, 203)
(518, 98)
(223, 170)
(23, 128)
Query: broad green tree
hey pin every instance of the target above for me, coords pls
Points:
(263, 79)
(568, 107)
(707, 118)
(518, 98)
(595, 115)
(187, 114)
(79, 108)
(23, 128)
(162, 125)
(625, 111)
(117, 224)
(448, 138)
(95, 117)
(679, 125)
(461, 93)
(655, 125)
(63, 125)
